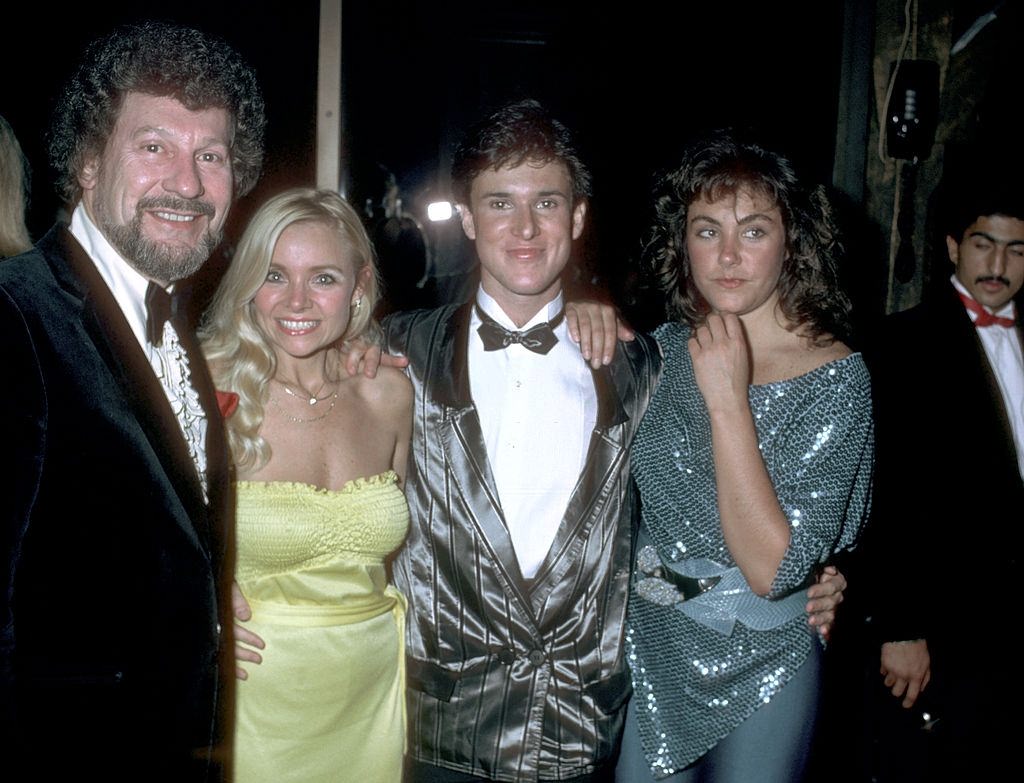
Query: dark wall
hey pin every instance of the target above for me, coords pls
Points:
(633, 81)
(280, 43)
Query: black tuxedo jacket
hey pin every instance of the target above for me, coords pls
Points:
(116, 571)
(949, 500)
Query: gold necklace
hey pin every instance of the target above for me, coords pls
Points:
(298, 420)
(312, 399)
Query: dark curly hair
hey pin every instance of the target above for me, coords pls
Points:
(162, 59)
(990, 189)
(719, 165)
(517, 132)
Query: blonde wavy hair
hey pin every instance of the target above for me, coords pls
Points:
(238, 350)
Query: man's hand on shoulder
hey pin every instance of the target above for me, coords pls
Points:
(363, 356)
(595, 327)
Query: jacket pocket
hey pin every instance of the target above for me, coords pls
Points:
(431, 679)
(611, 693)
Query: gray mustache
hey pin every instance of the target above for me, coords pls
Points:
(178, 204)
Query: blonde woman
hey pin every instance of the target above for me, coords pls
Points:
(320, 458)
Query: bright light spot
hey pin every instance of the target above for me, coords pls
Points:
(439, 210)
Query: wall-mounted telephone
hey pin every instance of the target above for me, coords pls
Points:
(913, 111)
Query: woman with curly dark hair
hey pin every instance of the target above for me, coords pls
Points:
(753, 464)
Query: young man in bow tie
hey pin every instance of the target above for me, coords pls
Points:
(949, 397)
(517, 561)
(518, 554)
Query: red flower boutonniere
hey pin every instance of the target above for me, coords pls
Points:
(227, 402)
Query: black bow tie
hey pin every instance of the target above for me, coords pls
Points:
(161, 307)
(539, 339)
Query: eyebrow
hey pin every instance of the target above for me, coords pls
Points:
(209, 141)
(334, 266)
(994, 240)
(507, 194)
(742, 221)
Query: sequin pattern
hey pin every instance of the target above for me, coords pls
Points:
(815, 434)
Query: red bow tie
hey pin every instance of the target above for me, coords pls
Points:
(985, 318)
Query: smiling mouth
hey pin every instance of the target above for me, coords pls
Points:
(176, 210)
(297, 326)
(174, 218)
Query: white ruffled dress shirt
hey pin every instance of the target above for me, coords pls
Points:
(168, 360)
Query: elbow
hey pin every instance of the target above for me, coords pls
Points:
(760, 579)
(762, 575)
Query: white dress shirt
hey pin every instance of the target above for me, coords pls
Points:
(168, 360)
(1003, 349)
(537, 413)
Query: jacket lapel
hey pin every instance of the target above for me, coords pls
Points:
(603, 458)
(464, 446)
(977, 377)
(463, 443)
(145, 398)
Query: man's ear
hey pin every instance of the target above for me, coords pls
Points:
(953, 248)
(89, 172)
(468, 227)
(579, 216)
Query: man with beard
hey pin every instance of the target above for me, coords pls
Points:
(116, 514)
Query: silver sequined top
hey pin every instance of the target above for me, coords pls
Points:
(694, 684)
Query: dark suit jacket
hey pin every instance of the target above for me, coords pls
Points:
(508, 679)
(115, 570)
(944, 540)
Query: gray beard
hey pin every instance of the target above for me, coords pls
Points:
(153, 259)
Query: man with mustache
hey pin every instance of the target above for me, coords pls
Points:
(115, 535)
(949, 394)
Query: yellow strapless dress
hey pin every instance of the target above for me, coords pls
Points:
(328, 701)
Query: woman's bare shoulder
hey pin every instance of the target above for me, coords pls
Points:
(390, 388)
(832, 351)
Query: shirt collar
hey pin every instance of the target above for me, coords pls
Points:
(487, 303)
(1008, 310)
(125, 282)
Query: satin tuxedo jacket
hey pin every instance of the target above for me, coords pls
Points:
(949, 499)
(116, 572)
(512, 680)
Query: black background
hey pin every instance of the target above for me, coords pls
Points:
(632, 81)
